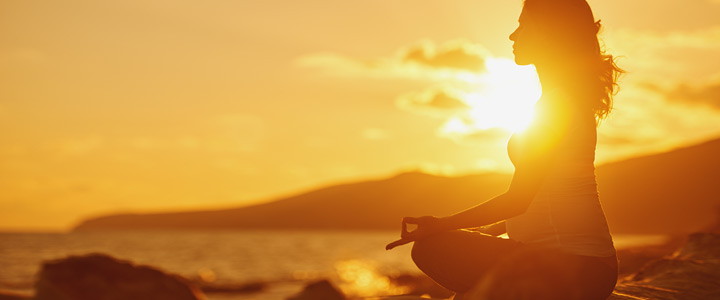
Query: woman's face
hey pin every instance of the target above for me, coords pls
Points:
(527, 41)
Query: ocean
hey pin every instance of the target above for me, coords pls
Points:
(356, 261)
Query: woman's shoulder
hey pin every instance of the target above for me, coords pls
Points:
(548, 132)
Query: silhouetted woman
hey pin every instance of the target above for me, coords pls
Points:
(559, 245)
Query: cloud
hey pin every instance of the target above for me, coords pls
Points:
(433, 102)
(491, 134)
(477, 91)
(707, 94)
(465, 131)
(705, 38)
(645, 121)
(464, 121)
(460, 55)
(673, 55)
(425, 60)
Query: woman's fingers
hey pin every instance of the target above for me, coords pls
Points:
(410, 220)
(399, 242)
(424, 228)
(408, 230)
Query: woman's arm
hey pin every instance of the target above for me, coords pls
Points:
(512, 203)
(539, 148)
(523, 188)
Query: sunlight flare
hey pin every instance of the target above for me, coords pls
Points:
(503, 97)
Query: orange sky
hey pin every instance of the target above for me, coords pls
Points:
(165, 105)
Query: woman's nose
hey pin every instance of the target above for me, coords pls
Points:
(513, 35)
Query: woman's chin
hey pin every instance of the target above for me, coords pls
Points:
(521, 62)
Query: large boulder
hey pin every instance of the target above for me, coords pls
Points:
(101, 277)
(319, 290)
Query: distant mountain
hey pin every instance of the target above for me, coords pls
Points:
(375, 204)
(677, 191)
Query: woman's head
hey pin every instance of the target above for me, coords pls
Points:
(553, 29)
(560, 36)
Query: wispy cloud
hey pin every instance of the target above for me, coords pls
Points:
(459, 55)
(426, 59)
(706, 38)
(645, 121)
(434, 102)
(707, 94)
(472, 91)
(670, 96)
(667, 56)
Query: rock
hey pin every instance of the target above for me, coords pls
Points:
(101, 277)
(8, 295)
(319, 290)
(631, 260)
(701, 247)
(691, 273)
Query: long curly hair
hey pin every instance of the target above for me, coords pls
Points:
(572, 33)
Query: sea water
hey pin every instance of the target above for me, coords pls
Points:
(354, 260)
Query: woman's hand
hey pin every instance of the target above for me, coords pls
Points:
(426, 225)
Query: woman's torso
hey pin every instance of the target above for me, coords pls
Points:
(566, 213)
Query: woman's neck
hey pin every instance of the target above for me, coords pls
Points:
(550, 80)
(564, 91)
(559, 91)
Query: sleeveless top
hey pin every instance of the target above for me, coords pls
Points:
(566, 213)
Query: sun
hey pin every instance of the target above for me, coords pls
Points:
(503, 97)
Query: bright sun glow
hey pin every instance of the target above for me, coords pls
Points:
(503, 97)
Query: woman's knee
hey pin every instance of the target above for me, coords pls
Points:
(422, 251)
(427, 250)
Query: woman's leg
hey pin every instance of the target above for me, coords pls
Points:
(464, 261)
(458, 259)
(542, 274)
(599, 276)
